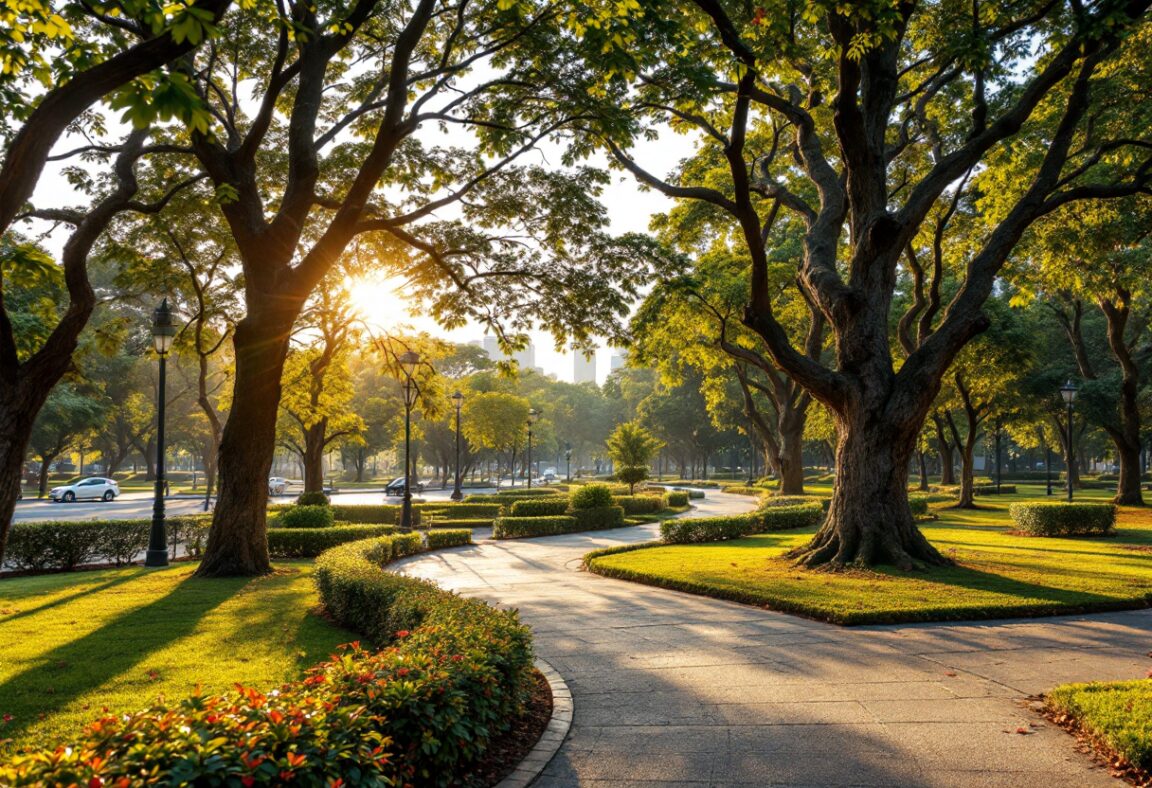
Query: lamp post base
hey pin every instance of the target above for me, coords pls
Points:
(156, 558)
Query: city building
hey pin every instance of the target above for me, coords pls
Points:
(583, 368)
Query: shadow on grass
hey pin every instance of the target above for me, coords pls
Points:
(22, 612)
(63, 674)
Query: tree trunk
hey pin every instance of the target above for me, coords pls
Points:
(922, 457)
(946, 452)
(313, 456)
(967, 491)
(1127, 437)
(791, 458)
(869, 521)
(14, 434)
(238, 541)
(45, 462)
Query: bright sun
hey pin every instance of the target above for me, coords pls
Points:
(378, 300)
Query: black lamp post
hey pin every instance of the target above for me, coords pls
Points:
(163, 333)
(532, 416)
(408, 363)
(568, 458)
(458, 401)
(1068, 392)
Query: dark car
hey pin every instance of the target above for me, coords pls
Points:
(395, 487)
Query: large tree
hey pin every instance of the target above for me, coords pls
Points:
(880, 115)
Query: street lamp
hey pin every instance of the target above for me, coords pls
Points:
(163, 333)
(458, 401)
(532, 416)
(568, 457)
(1068, 392)
(409, 360)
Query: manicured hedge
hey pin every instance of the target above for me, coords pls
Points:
(1056, 518)
(539, 507)
(599, 518)
(990, 489)
(592, 496)
(520, 527)
(451, 673)
(375, 514)
(448, 537)
(918, 504)
(716, 529)
(456, 522)
(306, 516)
(677, 498)
(311, 542)
(641, 504)
(741, 489)
(68, 544)
(795, 500)
(312, 499)
(695, 494)
(487, 511)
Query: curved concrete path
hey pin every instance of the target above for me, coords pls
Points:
(675, 689)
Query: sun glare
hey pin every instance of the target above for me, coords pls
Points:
(379, 301)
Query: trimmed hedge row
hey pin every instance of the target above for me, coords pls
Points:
(487, 511)
(448, 537)
(455, 522)
(373, 514)
(592, 496)
(311, 542)
(1058, 518)
(677, 498)
(796, 500)
(539, 507)
(742, 489)
(69, 544)
(990, 489)
(716, 529)
(641, 504)
(451, 674)
(575, 521)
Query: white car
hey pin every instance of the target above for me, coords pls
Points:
(277, 485)
(95, 488)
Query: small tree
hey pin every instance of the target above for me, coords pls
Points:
(631, 447)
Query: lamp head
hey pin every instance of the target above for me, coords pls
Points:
(533, 414)
(163, 329)
(1068, 392)
(409, 360)
(458, 400)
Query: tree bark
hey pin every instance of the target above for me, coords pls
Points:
(873, 460)
(791, 460)
(1127, 434)
(946, 452)
(922, 459)
(313, 457)
(238, 541)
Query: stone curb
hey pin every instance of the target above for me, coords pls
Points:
(553, 736)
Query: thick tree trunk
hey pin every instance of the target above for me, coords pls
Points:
(238, 541)
(45, 462)
(14, 433)
(1127, 437)
(1128, 489)
(922, 458)
(314, 456)
(967, 491)
(946, 452)
(869, 521)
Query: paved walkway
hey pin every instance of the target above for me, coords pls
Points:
(675, 689)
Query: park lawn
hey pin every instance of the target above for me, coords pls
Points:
(1116, 715)
(78, 643)
(997, 574)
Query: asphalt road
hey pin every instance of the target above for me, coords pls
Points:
(138, 505)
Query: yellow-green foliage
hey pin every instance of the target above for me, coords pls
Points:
(1117, 714)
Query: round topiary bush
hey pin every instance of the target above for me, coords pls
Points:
(312, 499)
(592, 496)
(1054, 518)
(305, 517)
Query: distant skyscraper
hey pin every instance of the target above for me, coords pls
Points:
(492, 347)
(525, 358)
(583, 369)
(618, 361)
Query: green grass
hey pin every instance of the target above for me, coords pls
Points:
(77, 643)
(997, 574)
(1117, 715)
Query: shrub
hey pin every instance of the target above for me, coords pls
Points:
(490, 510)
(741, 489)
(68, 544)
(519, 527)
(592, 496)
(641, 504)
(600, 518)
(918, 504)
(313, 498)
(539, 507)
(990, 489)
(375, 514)
(1055, 518)
(310, 516)
(677, 498)
(311, 542)
(437, 522)
(695, 494)
(715, 529)
(448, 538)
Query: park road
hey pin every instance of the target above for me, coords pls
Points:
(677, 690)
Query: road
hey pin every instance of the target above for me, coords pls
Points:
(138, 505)
(678, 690)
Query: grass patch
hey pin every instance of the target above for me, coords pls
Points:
(78, 643)
(1116, 716)
(997, 575)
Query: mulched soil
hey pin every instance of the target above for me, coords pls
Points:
(1095, 746)
(506, 752)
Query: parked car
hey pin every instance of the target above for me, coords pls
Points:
(395, 487)
(277, 485)
(94, 488)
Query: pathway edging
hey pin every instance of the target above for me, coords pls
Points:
(553, 736)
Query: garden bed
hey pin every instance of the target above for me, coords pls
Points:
(1115, 718)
